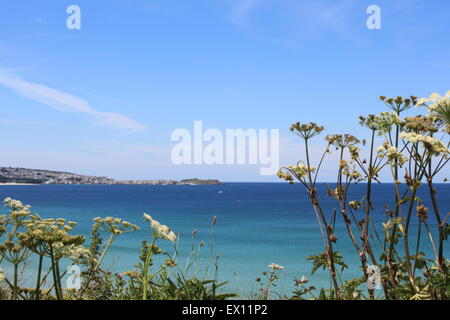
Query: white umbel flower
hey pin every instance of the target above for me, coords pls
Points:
(161, 231)
(433, 144)
(275, 266)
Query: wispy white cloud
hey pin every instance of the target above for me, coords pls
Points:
(290, 18)
(66, 102)
(335, 15)
(240, 9)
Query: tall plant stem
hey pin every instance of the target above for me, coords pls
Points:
(146, 266)
(368, 207)
(16, 273)
(432, 191)
(419, 234)
(38, 281)
(108, 244)
(431, 240)
(347, 221)
(58, 275)
(308, 163)
(369, 192)
(406, 239)
(329, 243)
(55, 276)
(389, 256)
(97, 265)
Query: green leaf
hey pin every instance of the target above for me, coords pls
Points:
(446, 231)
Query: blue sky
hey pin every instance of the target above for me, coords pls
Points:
(105, 99)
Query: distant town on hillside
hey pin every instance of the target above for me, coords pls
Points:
(37, 176)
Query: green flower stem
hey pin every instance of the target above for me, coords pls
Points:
(146, 266)
(38, 281)
(108, 245)
(55, 276)
(16, 289)
(432, 192)
(58, 275)
(318, 209)
(417, 247)
(406, 239)
(97, 266)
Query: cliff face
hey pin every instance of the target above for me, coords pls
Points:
(37, 176)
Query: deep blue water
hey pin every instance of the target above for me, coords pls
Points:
(257, 223)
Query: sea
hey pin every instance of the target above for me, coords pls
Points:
(257, 224)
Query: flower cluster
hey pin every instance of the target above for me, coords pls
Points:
(300, 282)
(422, 213)
(399, 104)
(387, 120)
(435, 99)
(3, 223)
(439, 106)
(433, 145)
(300, 171)
(382, 123)
(342, 140)
(421, 124)
(275, 266)
(285, 176)
(132, 274)
(336, 193)
(349, 172)
(354, 152)
(354, 175)
(10, 250)
(18, 211)
(392, 154)
(16, 205)
(161, 231)
(371, 121)
(116, 226)
(2, 276)
(50, 236)
(355, 205)
(76, 253)
(306, 130)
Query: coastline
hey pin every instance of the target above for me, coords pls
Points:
(16, 184)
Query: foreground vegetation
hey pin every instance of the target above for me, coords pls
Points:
(26, 235)
(414, 152)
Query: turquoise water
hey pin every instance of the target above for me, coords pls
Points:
(257, 224)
